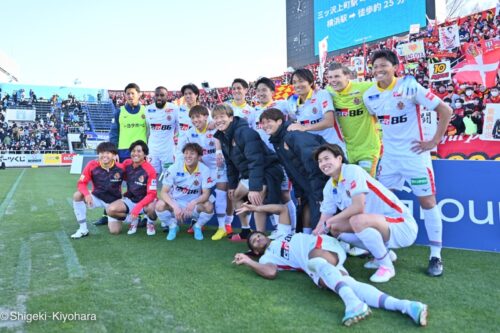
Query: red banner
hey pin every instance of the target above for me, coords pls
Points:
(468, 147)
(67, 158)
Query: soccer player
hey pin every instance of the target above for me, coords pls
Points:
(371, 216)
(253, 169)
(191, 94)
(203, 136)
(162, 120)
(239, 90)
(295, 150)
(359, 127)
(264, 88)
(140, 177)
(186, 193)
(406, 154)
(322, 258)
(106, 177)
(312, 109)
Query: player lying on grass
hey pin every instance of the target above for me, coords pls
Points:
(186, 193)
(321, 257)
(371, 216)
(140, 197)
(106, 177)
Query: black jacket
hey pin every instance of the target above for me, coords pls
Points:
(297, 158)
(247, 156)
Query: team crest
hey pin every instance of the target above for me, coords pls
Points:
(141, 179)
(169, 117)
(196, 182)
(211, 143)
(356, 101)
(401, 105)
(143, 116)
(315, 110)
(117, 175)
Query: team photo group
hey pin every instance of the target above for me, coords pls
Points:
(319, 167)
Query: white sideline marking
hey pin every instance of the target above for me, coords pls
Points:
(33, 208)
(22, 279)
(72, 264)
(8, 198)
(50, 202)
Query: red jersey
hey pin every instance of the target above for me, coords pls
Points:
(106, 183)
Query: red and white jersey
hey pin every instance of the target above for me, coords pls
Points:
(162, 124)
(184, 120)
(354, 180)
(281, 105)
(187, 186)
(312, 111)
(399, 117)
(290, 252)
(242, 111)
(205, 139)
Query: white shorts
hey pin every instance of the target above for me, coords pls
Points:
(285, 184)
(328, 243)
(417, 172)
(219, 174)
(98, 203)
(161, 163)
(403, 231)
(130, 205)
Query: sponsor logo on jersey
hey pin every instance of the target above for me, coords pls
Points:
(153, 185)
(210, 135)
(169, 110)
(184, 127)
(313, 100)
(258, 125)
(245, 111)
(307, 122)
(160, 127)
(180, 174)
(334, 191)
(208, 151)
(151, 110)
(186, 190)
(342, 112)
(194, 135)
(419, 181)
(430, 96)
(373, 97)
(396, 94)
(388, 120)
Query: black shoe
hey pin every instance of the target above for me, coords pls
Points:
(102, 221)
(165, 229)
(142, 223)
(435, 267)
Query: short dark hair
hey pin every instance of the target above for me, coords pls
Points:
(250, 236)
(191, 87)
(141, 143)
(272, 114)
(333, 148)
(107, 147)
(161, 88)
(198, 110)
(132, 86)
(304, 74)
(387, 55)
(193, 146)
(267, 82)
(240, 81)
(336, 65)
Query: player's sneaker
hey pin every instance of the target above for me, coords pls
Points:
(151, 229)
(373, 264)
(435, 267)
(190, 229)
(198, 234)
(80, 234)
(221, 233)
(357, 252)
(383, 274)
(418, 312)
(172, 233)
(354, 315)
(132, 229)
(102, 221)
(229, 229)
(241, 237)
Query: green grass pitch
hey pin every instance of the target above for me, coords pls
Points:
(140, 283)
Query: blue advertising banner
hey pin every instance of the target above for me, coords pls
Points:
(352, 22)
(468, 194)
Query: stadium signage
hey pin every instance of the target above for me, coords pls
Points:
(28, 160)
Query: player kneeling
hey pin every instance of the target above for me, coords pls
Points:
(140, 197)
(371, 216)
(186, 193)
(322, 257)
(106, 177)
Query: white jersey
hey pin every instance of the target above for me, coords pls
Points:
(162, 124)
(205, 139)
(281, 105)
(312, 111)
(399, 117)
(354, 180)
(242, 111)
(184, 121)
(185, 186)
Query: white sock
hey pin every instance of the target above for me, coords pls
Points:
(80, 210)
(307, 231)
(203, 219)
(372, 239)
(351, 239)
(434, 228)
(149, 220)
(229, 219)
(134, 222)
(284, 229)
(292, 212)
(220, 207)
(164, 217)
